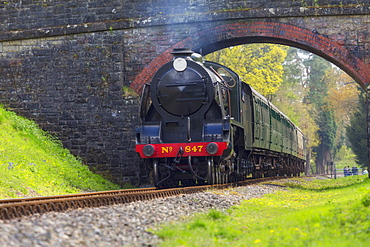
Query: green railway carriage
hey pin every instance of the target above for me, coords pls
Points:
(268, 136)
(264, 125)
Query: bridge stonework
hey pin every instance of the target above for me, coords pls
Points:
(69, 65)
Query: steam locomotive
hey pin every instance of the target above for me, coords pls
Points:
(200, 124)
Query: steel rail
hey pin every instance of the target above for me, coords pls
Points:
(16, 208)
(87, 194)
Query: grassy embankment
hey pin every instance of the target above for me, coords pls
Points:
(308, 213)
(33, 164)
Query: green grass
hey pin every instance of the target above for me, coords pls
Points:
(310, 213)
(33, 163)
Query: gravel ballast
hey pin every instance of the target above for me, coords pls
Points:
(118, 225)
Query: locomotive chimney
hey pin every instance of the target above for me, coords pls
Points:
(186, 53)
(182, 52)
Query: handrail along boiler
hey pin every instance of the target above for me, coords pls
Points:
(201, 124)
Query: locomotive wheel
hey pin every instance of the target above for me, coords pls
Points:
(224, 177)
(216, 175)
(219, 176)
(257, 174)
(227, 177)
(156, 174)
(211, 171)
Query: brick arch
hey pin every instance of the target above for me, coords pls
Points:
(226, 35)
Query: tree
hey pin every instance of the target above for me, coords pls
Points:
(324, 117)
(259, 65)
(343, 94)
(289, 99)
(356, 132)
(342, 100)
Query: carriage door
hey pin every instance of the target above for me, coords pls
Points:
(257, 122)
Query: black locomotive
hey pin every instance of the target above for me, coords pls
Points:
(201, 124)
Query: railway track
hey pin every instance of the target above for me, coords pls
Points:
(17, 208)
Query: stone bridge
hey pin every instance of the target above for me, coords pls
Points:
(75, 66)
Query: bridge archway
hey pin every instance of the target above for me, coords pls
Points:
(208, 41)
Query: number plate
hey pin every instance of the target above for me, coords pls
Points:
(190, 149)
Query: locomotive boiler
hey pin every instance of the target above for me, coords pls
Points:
(200, 124)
